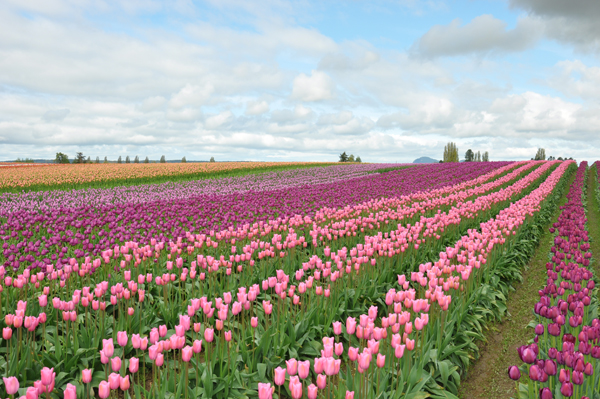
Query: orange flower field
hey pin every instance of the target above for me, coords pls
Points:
(76, 174)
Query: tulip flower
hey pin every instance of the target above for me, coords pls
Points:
(104, 389)
(134, 365)
(11, 385)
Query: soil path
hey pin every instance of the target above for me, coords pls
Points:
(487, 378)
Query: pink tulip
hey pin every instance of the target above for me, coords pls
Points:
(134, 365)
(296, 389)
(380, 360)
(115, 363)
(337, 327)
(264, 391)
(321, 381)
(114, 380)
(70, 392)
(11, 384)
(86, 376)
(349, 394)
(209, 334)
(48, 376)
(186, 353)
(104, 389)
(160, 359)
(303, 369)
(197, 346)
(162, 330)
(312, 391)
(7, 333)
(124, 383)
(122, 338)
(279, 376)
(136, 341)
(108, 347)
(292, 366)
(228, 336)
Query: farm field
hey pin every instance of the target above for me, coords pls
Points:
(291, 280)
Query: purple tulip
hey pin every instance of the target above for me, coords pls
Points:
(514, 373)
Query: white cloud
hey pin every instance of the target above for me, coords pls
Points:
(56, 115)
(192, 95)
(219, 121)
(256, 107)
(316, 87)
(153, 103)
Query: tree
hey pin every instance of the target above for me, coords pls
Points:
(351, 158)
(540, 155)
(343, 157)
(119, 160)
(485, 157)
(79, 158)
(560, 158)
(469, 156)
(127, 160)
(61, 158)
(183, 160)
(212, 159)
(358, 159)
(105, 159)
(478, 156)
(551, 158)
(162, 159)
(450, 152)
(136, 160)
(146, 160)
(97, 159)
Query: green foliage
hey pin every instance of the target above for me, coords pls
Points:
(351, 158)
(79, 158)
(469, 156)
(485, 157)
(162, 159)
(24, 160)
(540, 155)
(358, 160)
(127, 160)
(183, 160)
(61, 158)
(136, 159)
(97, 159)
(343, 157)
(146, 160)
(105, 159)
(212, 159)
(450, 153)
(119, 160)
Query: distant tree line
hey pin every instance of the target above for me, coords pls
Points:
(80, 158)
(349, 158)
(540, 155)
(451, 154)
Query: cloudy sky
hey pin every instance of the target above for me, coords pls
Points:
(389, 80)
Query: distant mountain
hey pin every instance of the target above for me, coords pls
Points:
(425, 160)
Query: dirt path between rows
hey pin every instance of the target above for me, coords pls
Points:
(487, 378)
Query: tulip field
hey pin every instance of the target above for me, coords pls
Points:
(288, 280)
(560, 361)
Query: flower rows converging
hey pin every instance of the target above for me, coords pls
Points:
(344, 297)
(40, 237)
